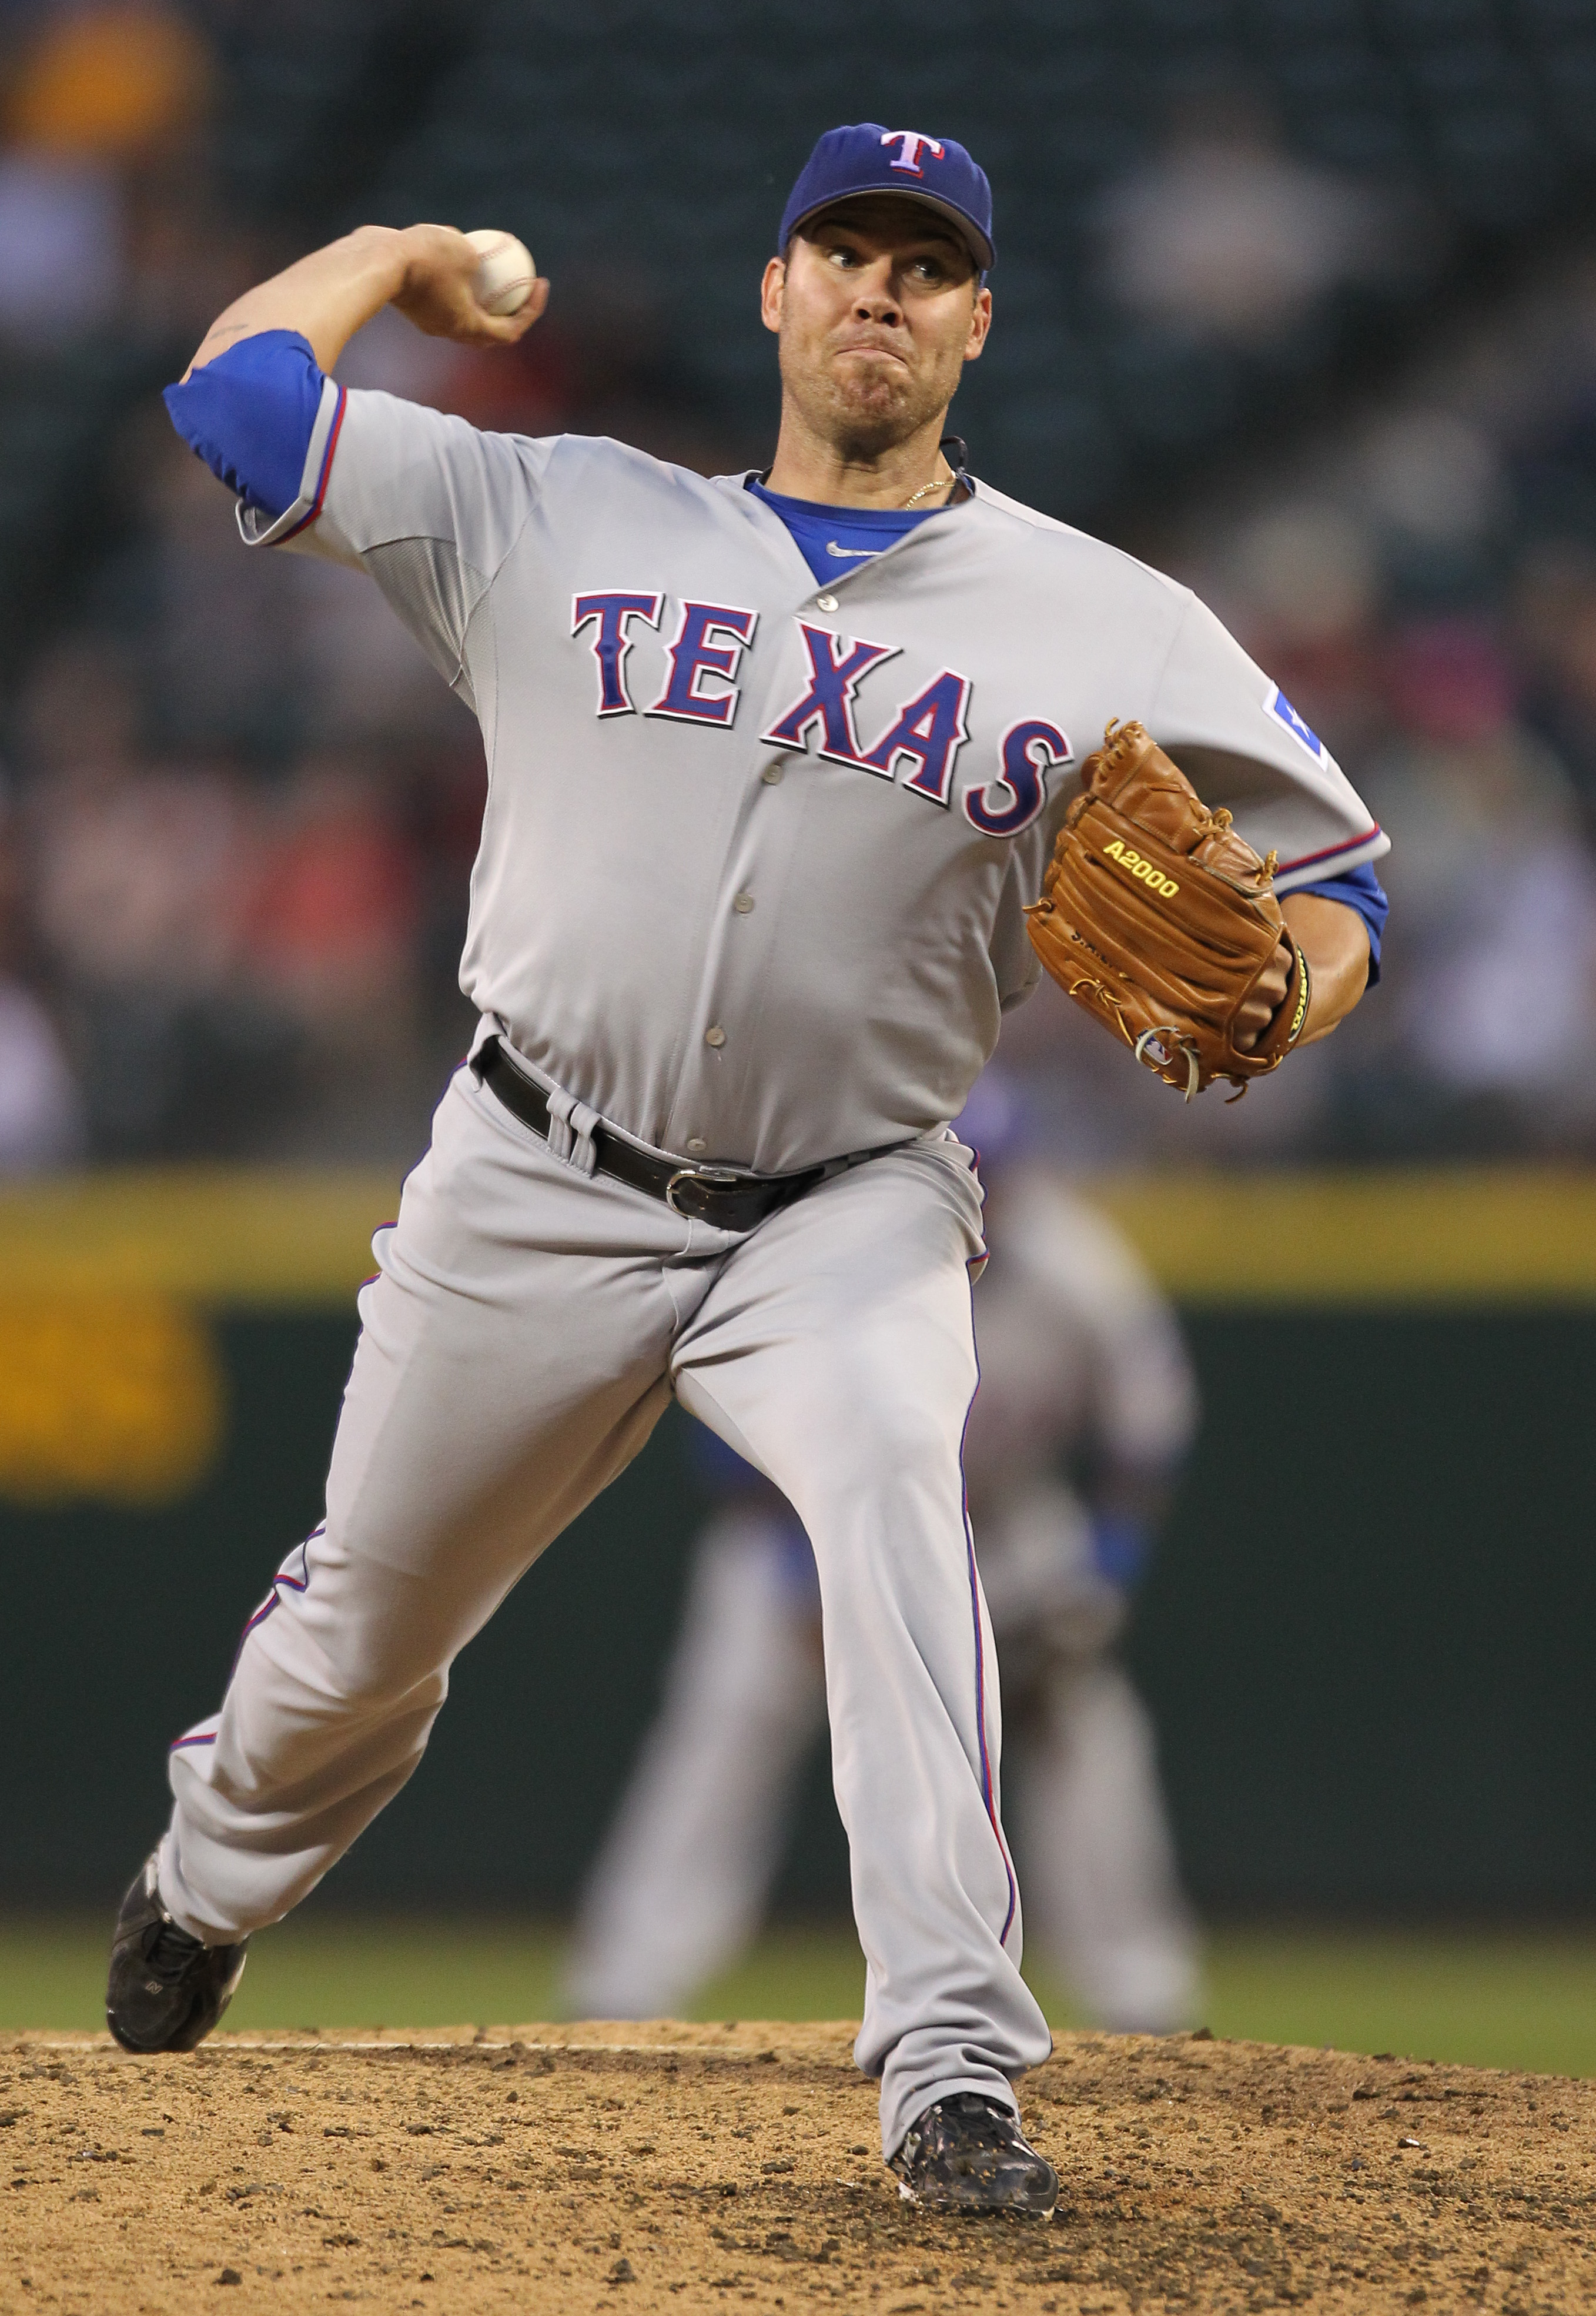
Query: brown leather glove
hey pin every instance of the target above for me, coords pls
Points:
(1158, 919)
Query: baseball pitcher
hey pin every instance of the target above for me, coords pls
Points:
(775, 763)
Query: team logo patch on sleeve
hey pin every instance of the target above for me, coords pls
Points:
(1278, 706)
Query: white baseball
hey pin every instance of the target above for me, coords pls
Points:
(504, 279)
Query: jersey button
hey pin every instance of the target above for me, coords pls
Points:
(744, 905)
(771, 776)
(825, 602)
(695, 1142)
(714, 1035)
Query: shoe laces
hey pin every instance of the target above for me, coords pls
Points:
(169, 1953)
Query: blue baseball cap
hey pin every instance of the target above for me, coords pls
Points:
(870, 159)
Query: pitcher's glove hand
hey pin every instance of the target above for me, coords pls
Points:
(1160, 919)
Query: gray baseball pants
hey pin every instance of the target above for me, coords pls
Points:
(526, 1329)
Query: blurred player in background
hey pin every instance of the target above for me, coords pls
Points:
(1083, 1371)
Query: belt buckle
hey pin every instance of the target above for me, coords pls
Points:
(716, 1177)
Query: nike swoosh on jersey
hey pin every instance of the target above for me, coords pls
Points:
(833, 548)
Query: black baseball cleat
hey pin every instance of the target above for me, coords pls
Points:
(967, 2154)
(166, 1991)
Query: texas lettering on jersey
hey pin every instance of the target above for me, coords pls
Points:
(924, 735)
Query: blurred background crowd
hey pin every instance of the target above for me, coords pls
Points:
(1297, 299)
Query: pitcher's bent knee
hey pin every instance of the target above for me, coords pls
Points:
(356, 1633)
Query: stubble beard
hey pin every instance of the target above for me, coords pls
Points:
(864, 416)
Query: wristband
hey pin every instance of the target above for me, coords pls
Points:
(1304, 998)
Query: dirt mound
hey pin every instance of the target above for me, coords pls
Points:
(671, 2167)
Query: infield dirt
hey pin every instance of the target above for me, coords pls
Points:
(684, 2168)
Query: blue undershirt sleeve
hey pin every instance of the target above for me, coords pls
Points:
(1359, 888)
(250, 413)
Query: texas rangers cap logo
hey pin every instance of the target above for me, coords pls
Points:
(869, 157)
(913, 144)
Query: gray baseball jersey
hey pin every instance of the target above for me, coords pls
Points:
(754, 851)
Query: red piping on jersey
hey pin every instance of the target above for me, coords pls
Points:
(1306, 860)
(320, 493)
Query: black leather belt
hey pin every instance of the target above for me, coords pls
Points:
(706, 1194)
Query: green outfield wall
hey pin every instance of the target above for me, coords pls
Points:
(1367, 1640)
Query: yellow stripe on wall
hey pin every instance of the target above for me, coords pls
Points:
(278, 1239)
(268, 1237)
(1445, 1237)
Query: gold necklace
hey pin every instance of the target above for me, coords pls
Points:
(938, 483)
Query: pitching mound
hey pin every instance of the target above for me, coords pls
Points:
(560, 2169)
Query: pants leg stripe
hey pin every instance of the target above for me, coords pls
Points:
(273, 1597)
(988, 1794)
(273, 1600)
